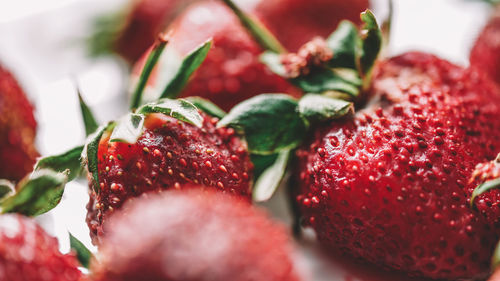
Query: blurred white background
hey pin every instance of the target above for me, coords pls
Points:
(43, 43)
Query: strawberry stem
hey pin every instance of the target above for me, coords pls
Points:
(153, 57)
(259, 32)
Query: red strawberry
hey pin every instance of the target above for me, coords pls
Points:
(485, 54)
(487, 201)
(390, 184)
(193, 235)
(17, 129)
(28, 253)
(168, 153)
(295, 22)
(232, 71)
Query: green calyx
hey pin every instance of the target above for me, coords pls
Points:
(483, 188)
(83, 254)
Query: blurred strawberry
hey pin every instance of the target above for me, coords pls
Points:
(193, 235)
(17, 129)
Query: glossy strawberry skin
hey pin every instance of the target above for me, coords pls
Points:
(232, 71)
(193, 235)
(391, 183)
(295, 22)
(485, 54)
(28, 253)
(17, 129)
(170, 153)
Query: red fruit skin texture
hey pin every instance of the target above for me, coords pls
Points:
(28, 253)
(17, 129)
(232, 71)
(193, 235)
(295, 22)
(488, 203)
(170, 153)
(485, 55)
(390, 184)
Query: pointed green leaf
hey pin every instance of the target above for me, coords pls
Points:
(36, 194)
(259, 32)
(371, 44)
(6, 188)
(88, 118)
(106, 29)
(90, 153)
(82, 253)
(180, 109)
(269, 122)
(207, 106)
(484, 187)
(324, 80)
(273, 62)
(317, 108)
(343, 42)
(128, 129)
(189, 64)
(270, 179)
(69, 160)
(151, 61)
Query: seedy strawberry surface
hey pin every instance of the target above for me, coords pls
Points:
(193, 235)
(17, 129)
(232, 71)
(390, 184)
(28, 253)
(488, 203)
(169, 154)
(295, 22)
(485, 54)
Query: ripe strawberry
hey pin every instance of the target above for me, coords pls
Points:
(485, 54)
(17, 129)
(28, 253)
(390, 183)
(193, 235)
(487, 201)
(168, 153)
(232, 71)
(295, 22)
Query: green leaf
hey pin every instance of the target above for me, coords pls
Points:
(259, 32)
(343, 42)
(270, 179)
(69, 160)
(270, 123)
(82, 253)
(90, 153)
(273, 62)
(187, 67)
(106, 29)
(324, 80)
(317, 108)
(36, 194)
(151, 61)
(180, 109)
(88, 118)
(6, 188)
(207, 106)
(484, 187)
(128, 129)
(371, 44)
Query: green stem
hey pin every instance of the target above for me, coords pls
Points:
(151, 61)
(260, 33)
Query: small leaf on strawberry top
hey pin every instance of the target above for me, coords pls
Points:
(269, 122)
(343, 41)
(82, 253)
(89, 153)
(483, 188)
(6, 187)
(69, 160)
(36, 194)
(89, 120)
(316, 108)
(128, 129)
(180, 109)
(187, 67)
(371, 44)
(269, 180)
(207, 106)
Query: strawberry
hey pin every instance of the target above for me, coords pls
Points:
(168, 153)
(295, 22)
(193, 235)
(389, 184)
(17, 129)
(485, 54)
(28, 253)
(232, 71)
(484, 197)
